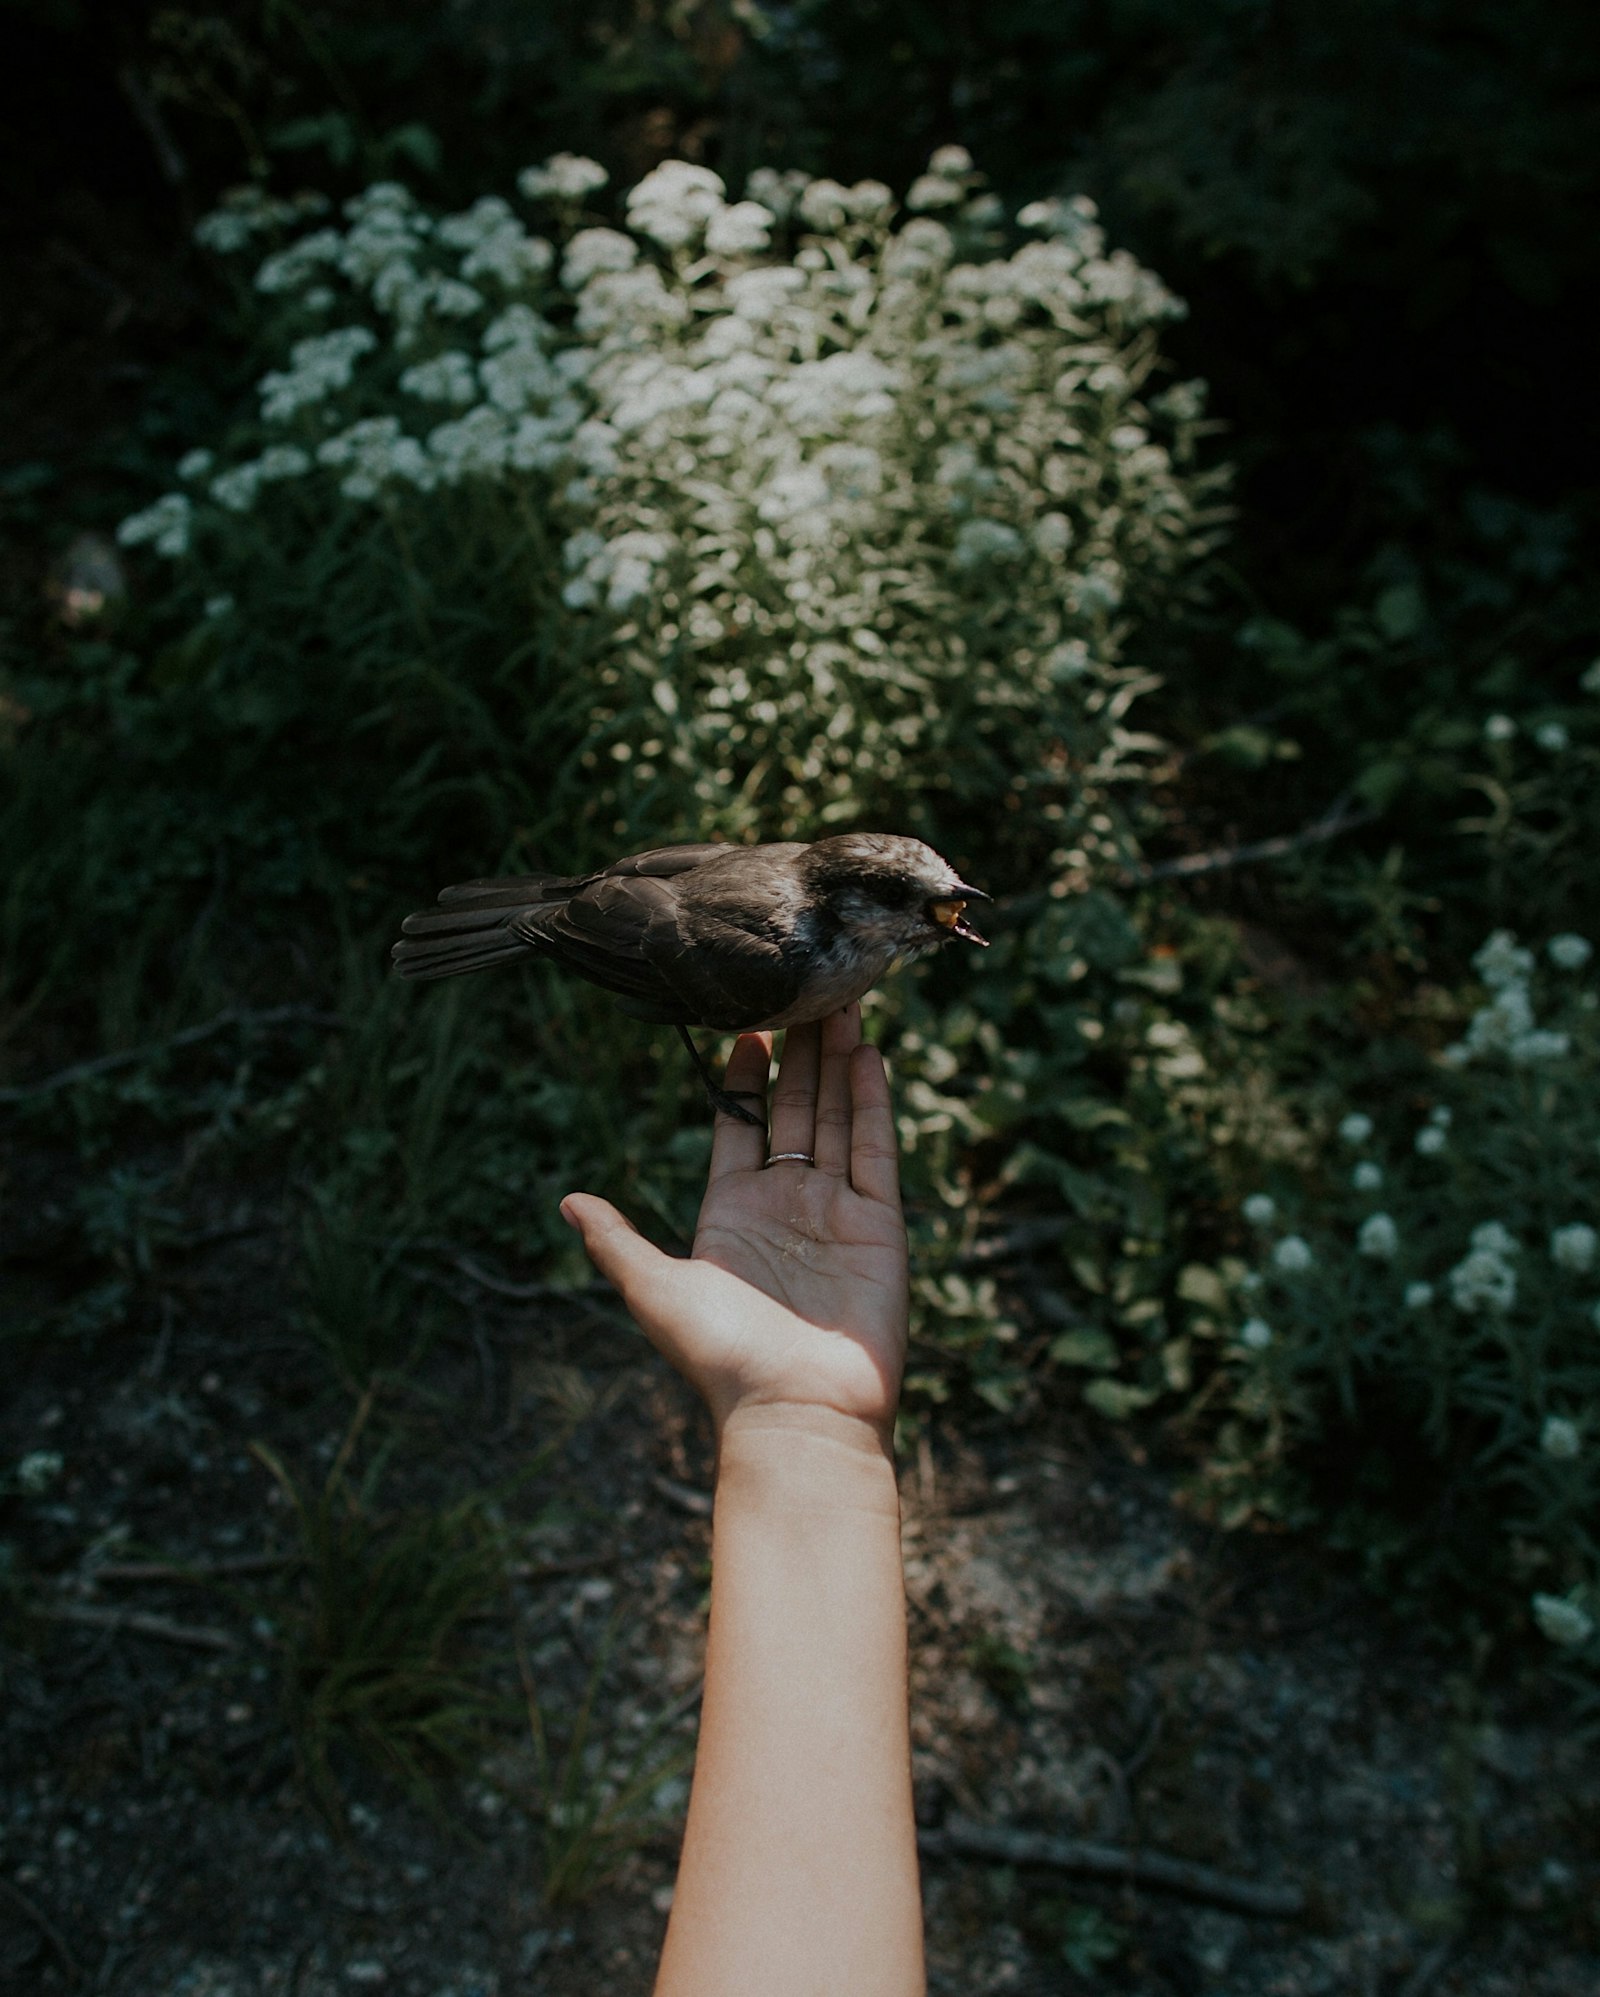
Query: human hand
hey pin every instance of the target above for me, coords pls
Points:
(795, 1293)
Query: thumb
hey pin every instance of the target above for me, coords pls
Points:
(613, 1244)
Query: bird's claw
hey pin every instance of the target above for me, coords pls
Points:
(726, 1102)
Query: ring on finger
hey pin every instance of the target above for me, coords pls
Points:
(791, 1158)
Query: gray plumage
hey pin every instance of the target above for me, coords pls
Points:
(726, 937)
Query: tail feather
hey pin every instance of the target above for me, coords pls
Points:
(513, 890)
(471, 929)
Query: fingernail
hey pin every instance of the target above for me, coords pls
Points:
(569, 1218)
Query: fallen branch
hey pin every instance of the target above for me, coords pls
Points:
(684, 1496)
(199, 1572)
(42, 1921)
(961, 1838)
(195, 1636)
(1336, 819)
(105, 1064)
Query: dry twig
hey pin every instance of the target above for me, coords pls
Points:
(196, 1636)
(1336, 819)
(961, 1838)
(42, 1921)
(105, 1064)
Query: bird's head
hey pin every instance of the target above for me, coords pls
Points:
(891, 892)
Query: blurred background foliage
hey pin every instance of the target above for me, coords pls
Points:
(1380, 217)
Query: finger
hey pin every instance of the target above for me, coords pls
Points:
(874, 1154)
(736, 1146)
(629, 1263)
(841, 1035)
(794, 1098)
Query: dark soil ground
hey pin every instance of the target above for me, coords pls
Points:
(1087, 1663)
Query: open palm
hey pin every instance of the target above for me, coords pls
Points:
(796, 1289)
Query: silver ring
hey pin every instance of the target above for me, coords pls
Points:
(791, 1158)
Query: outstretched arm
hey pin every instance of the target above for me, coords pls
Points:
(799, 1867)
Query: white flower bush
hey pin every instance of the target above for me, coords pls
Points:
(857, 510)
(1472, 1294)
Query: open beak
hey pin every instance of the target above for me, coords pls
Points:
(950, 913)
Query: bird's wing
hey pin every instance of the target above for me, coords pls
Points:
(625, 934)
(662, 862)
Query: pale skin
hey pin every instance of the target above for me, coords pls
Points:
(799, 1869)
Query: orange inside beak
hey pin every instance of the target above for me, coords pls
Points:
(949, 915)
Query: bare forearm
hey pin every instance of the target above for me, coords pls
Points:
(799, 1871)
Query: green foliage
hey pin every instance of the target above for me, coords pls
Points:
(373, 1633)
(596, 1800)
(1431, 1306)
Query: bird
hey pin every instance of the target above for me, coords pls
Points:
(729, 938)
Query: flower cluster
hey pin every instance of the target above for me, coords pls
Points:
(1477, 1283)
(799, 457)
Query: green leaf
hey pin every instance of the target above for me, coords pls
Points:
(1089, 1347)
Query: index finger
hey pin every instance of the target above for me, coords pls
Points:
(874, 1154)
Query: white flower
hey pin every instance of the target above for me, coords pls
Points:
(374, 453)
(165, 525)
(1559, 1439)
(563, 177)
(932, 190)
(979, 542)
(1431, 1139)
(38, 1470)
(951, 162)
(1501, 962)
(1552, 736)
(448, 377)
(1255, 1334)
(292, 269)
(319, 365)
(592, 251)
(778, 190)
(453, 299)
(743, 230)
(1356, 1128)
(1540, 1045)
(1260, 1209)
(1492, 1237)
(1367, 1177)
(1418, 1296)
(1590, 681)
(920, 248)
(675, 203)
(476, 444)
(195, 464)
(1561, 1621)
(1442, 1116)
(824, 206)
(220, 606)
(1483, 1281)
(1567, 952)
(1378, 1237)
(1499, 728)
(1573, 1247)
(1293, 1255)
(236, 488)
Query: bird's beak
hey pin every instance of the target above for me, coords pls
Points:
(950, 913)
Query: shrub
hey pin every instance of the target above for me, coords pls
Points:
(751, 518)
(1432, 1277)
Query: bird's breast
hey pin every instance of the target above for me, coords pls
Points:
(841, 971)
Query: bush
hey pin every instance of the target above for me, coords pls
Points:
(1429, 1276)
(751, 519)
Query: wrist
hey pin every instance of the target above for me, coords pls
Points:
(807, 1457)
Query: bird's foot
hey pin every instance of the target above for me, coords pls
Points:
(730, 1102)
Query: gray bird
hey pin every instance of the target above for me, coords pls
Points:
(727, 937)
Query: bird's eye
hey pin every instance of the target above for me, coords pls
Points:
(946, 913)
